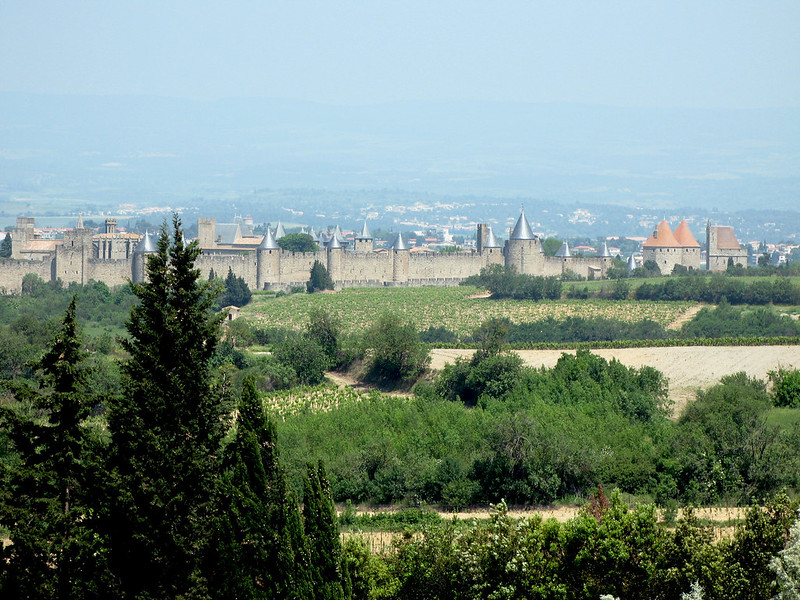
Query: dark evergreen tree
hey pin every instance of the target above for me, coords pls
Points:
(5, 247)
(166, 428)
(55, 552)
(261, 545)
(321, 528)
(236, 292)
(320, 279)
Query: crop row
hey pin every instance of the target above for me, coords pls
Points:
(453, 308)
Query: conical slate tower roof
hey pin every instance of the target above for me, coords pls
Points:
(269, 242)
(399, 243)
(662, 237)
(604, 253)
(80, 221)
(279, 231)
(522, 230)
(365, 234)
(333, 243)
(564, 252)
(314, 235)
(491, 240)
(631, 263)
(684, 236)
(337, 233)
(145, 244)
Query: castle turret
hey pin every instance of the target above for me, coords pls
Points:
(268, 258)
(399, 252)
(334, 254)
(279, 231)
(488, 246)
(145, 246)
(364, 239)
(523, 248)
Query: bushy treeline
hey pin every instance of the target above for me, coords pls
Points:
(608, 551)
(505, 282)
(490, 428)
(778, 290)
(178, 491)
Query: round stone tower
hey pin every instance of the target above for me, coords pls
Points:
(145, 246)
(523, 249)
(268, 261)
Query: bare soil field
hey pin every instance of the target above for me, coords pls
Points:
(687, 368)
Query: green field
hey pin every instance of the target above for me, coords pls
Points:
(452, 308)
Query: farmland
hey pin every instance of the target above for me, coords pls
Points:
(687, 368)
(457, 309)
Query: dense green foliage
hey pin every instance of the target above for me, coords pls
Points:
(159, 505)
(727, 320)
(534, 436)
(5, 246)
(713, 289)
(609, 550)
(393, 350)
(505, 282)
(319, 279)
(298, 242)
(235, 291)
(166, 427)
(55, 551)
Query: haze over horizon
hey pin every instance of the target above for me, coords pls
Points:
(614, 102)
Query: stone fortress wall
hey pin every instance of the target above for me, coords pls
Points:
(115, 258)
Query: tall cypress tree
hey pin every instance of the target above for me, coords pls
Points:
(166, 428)
(55, 552)
(261, 539)
(321, 528)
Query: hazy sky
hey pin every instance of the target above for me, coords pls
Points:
(720, 53)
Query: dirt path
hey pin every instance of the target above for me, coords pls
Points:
(687, 368)
(685, 317)
(344, 380)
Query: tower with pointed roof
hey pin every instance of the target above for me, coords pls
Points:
(145, 246)
(488, 247)
(400, 254)
(523, 247)
(669, 249)
(363, 239)
(268, 262)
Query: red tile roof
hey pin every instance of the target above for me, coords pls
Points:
(684, 236)
(662, 237)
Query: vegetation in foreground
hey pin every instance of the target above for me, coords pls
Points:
(182, 496)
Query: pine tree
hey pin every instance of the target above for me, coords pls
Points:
(319, 279)
(261, 540)
(55, 552)
(166, 428)
(321, 528)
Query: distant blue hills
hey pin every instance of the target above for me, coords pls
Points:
(115, 149)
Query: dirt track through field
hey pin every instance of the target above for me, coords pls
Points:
(687, 368)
